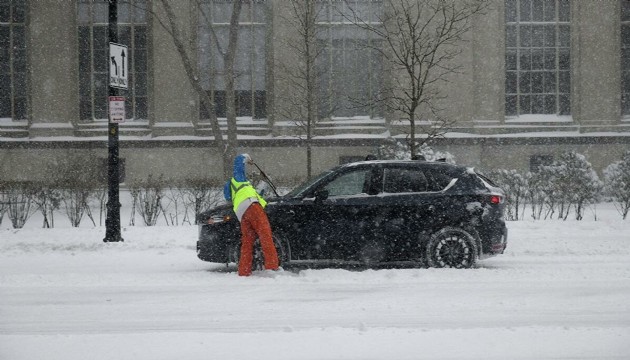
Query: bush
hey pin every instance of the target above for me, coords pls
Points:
(48, 199)
(75, 201)
(200, 196)
(3, 204)
(540, 193)
(617, 184)
(147, 200)
(515, 186)
(18, 202)
(578, 182)
(568, 183)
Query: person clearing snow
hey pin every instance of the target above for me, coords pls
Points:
(249, 207)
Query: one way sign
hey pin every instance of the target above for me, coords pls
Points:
(118, 69)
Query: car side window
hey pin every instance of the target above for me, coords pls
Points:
(404, 180)
(351, 183)
(437, 181)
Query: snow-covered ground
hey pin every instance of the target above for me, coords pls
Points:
(561, 291)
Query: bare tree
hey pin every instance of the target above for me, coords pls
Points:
(168, 20)
(230, 98)
(299, 72)
(419, 41)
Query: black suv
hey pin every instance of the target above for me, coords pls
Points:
(375, 213)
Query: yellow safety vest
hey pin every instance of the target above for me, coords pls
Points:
(244, 190)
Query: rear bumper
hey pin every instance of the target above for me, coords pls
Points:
(499, 248)
(494, 240)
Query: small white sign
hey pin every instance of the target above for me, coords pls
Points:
(116, 109)
(118, 69)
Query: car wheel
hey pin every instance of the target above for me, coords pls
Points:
(283, 249)
(233, 253)
(453, 248)
(258, 263)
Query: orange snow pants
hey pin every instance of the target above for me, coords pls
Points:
(256, 224)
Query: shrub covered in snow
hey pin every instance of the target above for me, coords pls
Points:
(570, 182)
(617, 184)
(540, 193)
(568, 185)
(515, 186)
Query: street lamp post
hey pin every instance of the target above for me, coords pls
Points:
(112, 221)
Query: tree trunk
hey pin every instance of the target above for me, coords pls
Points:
(309, 42)
(229, 76)
(412, 135)
(194, 80)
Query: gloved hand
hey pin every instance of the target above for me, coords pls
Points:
(248, 159)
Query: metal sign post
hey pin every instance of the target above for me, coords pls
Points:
(117, 79)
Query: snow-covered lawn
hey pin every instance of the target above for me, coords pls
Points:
(561, 291)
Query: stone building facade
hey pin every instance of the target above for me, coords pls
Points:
(537, 77)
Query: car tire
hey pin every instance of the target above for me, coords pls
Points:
(258, 263)
(453, 248)
(283, 248)
(233, 253)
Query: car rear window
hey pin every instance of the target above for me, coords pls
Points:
(486, 179)
(404, 180)
(437, 180)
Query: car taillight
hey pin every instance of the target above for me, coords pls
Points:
(496, 199)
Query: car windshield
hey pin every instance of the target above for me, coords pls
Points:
(307, 184)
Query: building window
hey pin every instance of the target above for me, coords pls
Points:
(250, 63)
(537, 57)
(13, 103)
(93, 18)
(625, 57)
(349, 67)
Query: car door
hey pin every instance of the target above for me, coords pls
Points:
(329, 218)
(408, 207)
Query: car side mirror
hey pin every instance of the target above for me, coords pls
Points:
(321, 195)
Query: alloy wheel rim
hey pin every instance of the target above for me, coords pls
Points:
(452, 251)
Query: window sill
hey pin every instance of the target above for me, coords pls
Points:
(539, 118)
